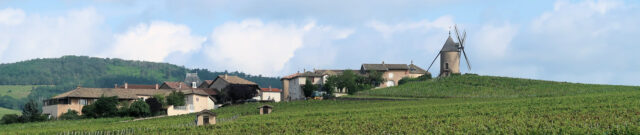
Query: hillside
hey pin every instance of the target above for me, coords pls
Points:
(103, 72)
(490, 86)
(16, 91)
(467, 104)
(5, 111)
(67, 72)
(595, 113)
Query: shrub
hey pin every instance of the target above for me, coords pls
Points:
(155, 106)
(70, 115)
(139, 109)
(10, 118)
(308, 88)
(176, 99)
(31, 113)
(103, 107)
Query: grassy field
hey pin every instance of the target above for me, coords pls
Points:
(583, 110)
(474, 86)
(16, 91)
(5, 111)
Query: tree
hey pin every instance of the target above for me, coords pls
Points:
(155, 106)
(139, 109)
(239, 93)
(374, 78)
(103, 107)
(10, 118)
(31, 113)
(70, 115)
(308, 88)
(160, 98)
(330, 85)
(176, 99)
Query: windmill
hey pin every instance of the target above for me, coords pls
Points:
(450, 54)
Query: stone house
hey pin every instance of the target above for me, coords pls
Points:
(269, 94)
(292, 84)
(391, 73)
(196, 99)
(226, 83)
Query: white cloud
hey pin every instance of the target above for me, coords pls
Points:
(387, 30)
(11, 16)
(492, 41)
(257, 47)
(26, 36)
(155, 41)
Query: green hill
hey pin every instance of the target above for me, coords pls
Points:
(68, 72)
(5, 111)
(490, 86)
(16, 91)
(467, 104)
(595, 113)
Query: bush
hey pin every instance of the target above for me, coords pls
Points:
(10, 118)
(155, 106)
(70, 115)
(139, 109)
(31, 113)
(103, 107)
(308, 88)
(176, 99)
(420, 78)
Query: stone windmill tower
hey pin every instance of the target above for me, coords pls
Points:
(450, 55)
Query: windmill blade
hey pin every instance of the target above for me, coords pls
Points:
(464, 38)
(467, 59)
(434, 60)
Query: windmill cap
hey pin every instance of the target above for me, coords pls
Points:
(450, 46)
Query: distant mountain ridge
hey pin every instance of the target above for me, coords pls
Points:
(105, 72)
(68, 72)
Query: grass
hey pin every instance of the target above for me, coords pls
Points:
(511, 108)
(474, 86)
(16, 91)
(5, 111)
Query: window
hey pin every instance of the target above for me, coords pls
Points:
(390, 75)
(197, 99)
(446, 65)
(82, 102)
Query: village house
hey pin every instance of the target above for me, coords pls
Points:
(226, 83)
(292, 84)
(196, 99)
(391, 73)
(269, 94)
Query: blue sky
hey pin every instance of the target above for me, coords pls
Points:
(563, 40)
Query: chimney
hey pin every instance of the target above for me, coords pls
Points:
(225, 76)
(126, 85)
(157, 87)
(270, 88)
(115, 85)
(193, 85)
(411, 62)
(179, 85)
(383, 62)
(304, 70)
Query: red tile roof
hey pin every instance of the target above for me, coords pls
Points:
(138, 86)
(176, 85)
(270, 89)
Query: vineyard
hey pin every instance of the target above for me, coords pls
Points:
(581, 109)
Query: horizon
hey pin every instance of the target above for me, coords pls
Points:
(581, 41)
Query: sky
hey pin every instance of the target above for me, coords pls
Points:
(590, 41)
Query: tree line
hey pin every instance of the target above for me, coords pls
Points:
(68, 72)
